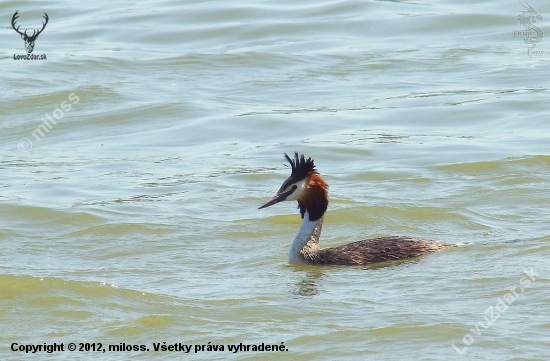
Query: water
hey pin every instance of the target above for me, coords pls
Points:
(133, 219)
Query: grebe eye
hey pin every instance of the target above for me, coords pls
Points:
(294, 186)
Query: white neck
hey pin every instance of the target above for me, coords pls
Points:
(306, 241)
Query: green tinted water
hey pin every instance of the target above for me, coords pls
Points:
(134, 218)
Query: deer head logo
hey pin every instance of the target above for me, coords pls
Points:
(29, 40)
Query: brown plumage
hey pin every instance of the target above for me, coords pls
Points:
(375, 250)
(307, 187)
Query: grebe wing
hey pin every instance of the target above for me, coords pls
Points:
(378, 250)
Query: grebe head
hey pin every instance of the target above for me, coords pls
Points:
(304, 185)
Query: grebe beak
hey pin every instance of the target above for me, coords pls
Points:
(279, 197)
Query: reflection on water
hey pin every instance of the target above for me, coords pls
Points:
(310, 277)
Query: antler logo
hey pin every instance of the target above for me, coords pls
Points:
(29, 40)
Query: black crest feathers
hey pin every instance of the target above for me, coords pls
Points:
(301, 166)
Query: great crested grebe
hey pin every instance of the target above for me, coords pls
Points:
(306, 186)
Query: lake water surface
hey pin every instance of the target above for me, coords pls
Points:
(131, 216)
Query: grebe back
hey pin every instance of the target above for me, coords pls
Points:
(306, 186)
